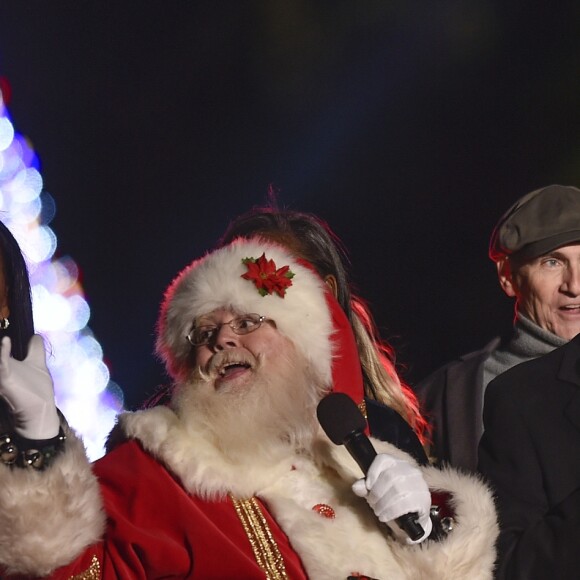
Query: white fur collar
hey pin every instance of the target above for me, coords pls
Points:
(199, 465)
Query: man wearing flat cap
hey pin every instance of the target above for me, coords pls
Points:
(530, 449)
(536, 248)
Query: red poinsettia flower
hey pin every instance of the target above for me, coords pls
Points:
(263, 273)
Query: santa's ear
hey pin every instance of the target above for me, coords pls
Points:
(505, 276)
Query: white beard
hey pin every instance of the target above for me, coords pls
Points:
(265, 419)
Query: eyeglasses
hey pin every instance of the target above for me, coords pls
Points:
(242, 324)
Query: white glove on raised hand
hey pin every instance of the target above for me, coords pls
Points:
(394, 487)
(27, 388)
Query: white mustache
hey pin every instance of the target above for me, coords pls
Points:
(229, 356)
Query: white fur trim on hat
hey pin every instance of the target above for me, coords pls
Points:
(215, 281)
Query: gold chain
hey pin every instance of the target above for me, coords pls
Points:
(261, 539)
(93, 572)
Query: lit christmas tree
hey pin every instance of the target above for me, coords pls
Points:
(83, 388)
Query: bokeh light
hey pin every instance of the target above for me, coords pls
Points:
(84, 391)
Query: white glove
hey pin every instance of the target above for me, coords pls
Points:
(27, 388)
(393, 487)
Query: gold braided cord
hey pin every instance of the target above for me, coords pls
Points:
(261, 539)
(93, 572)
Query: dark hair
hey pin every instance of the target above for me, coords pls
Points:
(21, 326)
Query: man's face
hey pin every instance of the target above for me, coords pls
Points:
(254, 393)
(230, 360)
(547, 289)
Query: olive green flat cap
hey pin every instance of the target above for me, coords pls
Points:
(538, 223)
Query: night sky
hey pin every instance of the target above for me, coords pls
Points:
(409, 126)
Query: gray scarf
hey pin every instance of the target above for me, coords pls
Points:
(527, 342)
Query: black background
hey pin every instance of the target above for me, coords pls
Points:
(410, 126)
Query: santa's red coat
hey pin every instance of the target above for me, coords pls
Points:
(156, 529)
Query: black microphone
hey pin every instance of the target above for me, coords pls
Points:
(344, 424)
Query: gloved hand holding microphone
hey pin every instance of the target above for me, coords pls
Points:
(394, 487)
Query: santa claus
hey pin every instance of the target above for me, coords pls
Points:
(235, 477)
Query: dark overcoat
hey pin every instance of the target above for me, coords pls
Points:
(452, 401)
(530, 451)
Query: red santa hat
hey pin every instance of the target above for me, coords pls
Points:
(258, 276)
